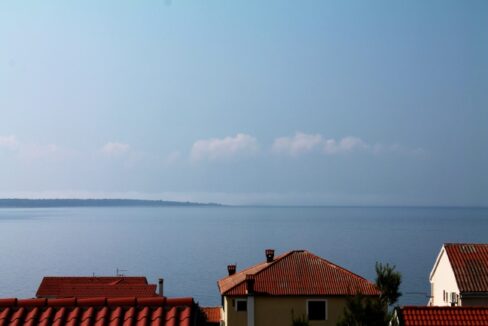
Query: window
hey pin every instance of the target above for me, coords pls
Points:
(317, 309)
(241, 305)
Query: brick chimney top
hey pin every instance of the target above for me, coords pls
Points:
(269, 255)
(231, 269)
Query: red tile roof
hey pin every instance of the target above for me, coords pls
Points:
(87, 287)
(469, 262)
(212, 314)
(297, 272)
(443, 316)
(97, 311)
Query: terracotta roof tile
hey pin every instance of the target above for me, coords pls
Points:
(97, 311)
(88, 287)
(297, 272)
(469, 262)
(212, 314)
(443, 316)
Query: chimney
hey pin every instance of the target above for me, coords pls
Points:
(269, 255)
(231, 269)
(249, 284)
(160, 281)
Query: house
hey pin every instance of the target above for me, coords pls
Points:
(100, 311)
(97, 286)
(440, 316)
(297, 283)
(460, 275)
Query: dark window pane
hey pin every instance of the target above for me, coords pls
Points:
(316, 310)
(241, 305)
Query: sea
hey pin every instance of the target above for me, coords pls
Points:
(190, 247)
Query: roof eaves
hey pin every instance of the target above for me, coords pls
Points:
(471, 294)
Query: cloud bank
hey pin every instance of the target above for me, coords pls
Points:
(298, 144)
(115, 149)
(302, 143)
(32, 151)
(219, 148)
(346, 144)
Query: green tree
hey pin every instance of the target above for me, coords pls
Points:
(388, 282)
(364, 311)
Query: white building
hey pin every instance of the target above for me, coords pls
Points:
(460, 275)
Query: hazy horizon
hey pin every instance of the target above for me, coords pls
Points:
(61, 199)
(246, 102)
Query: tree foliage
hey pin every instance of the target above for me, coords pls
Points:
(388, 282)
(366, 311)
(362, 311)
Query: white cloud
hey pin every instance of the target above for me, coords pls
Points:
(9, 142)
(33, 151)
(300, 143)
(346, 144)
(218, 148)
(115, 149)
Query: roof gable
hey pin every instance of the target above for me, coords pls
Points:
(469, 263)
(297, 272)
(437, 261)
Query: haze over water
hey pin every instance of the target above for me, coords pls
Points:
(190, 247)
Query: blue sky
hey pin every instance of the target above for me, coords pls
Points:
(246, 102)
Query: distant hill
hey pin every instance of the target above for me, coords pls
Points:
(38, 203)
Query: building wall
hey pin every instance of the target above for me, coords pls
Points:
(277, 311)
(442, 280)
(231, 316)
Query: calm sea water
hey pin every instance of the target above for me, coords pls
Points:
(190, 247)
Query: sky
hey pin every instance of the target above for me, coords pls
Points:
(246, 102)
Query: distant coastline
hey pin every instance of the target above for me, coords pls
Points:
(40, 203)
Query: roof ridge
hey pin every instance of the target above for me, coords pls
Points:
(99, 301)
(465, 244)
(110, 285)
(446, 307)
(90, 276)
(265, 262)
(275, 261)
(254, 266)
